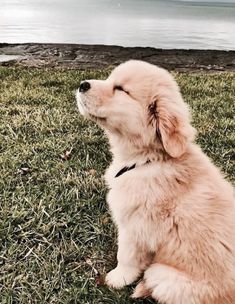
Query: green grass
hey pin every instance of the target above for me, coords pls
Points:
(55, 230)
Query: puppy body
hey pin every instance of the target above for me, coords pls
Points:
(178, 224)
(174, 211)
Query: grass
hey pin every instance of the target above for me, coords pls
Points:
(55, 230)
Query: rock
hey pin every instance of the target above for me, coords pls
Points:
(82, 57)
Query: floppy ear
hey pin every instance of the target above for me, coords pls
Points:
(172, 124)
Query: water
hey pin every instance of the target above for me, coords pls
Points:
(4, 58)
(158, 23)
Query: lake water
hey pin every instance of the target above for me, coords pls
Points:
(158, 23)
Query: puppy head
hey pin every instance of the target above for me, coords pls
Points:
(140, 103)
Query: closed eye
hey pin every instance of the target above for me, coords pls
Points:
(120, 88)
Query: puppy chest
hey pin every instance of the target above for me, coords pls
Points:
(130, 205)
(125, 202)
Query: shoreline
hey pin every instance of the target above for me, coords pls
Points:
(93, 57)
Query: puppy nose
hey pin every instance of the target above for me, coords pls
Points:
(84, 86)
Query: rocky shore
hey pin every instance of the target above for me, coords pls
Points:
(77, 56)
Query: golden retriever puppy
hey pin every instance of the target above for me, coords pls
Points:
(174, 211)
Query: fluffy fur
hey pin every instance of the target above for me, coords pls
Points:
(175, 213)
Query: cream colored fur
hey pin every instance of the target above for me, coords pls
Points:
(175, 215)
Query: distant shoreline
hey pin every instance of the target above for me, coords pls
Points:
(93, 57)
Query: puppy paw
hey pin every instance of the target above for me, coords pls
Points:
(120, 277)
(141, 291)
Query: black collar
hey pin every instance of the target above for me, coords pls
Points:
(125, 169)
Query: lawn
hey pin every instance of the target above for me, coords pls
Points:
(56, 234)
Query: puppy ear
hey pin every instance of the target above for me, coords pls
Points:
(172, 125)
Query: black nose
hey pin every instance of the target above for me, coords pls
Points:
(84, 86)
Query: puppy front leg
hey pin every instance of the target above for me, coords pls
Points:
(129, 264)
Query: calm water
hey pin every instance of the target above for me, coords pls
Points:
(158, 23)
